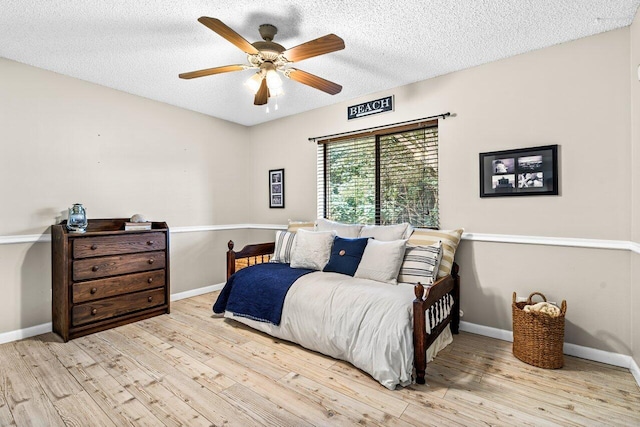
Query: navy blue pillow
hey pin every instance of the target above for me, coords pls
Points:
(346, 255)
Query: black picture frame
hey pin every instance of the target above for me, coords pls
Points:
(276, 188)
(529, 171)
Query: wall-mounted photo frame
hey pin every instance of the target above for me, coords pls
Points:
(276, 188)
(523, 172)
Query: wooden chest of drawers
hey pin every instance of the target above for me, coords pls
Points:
(107, 276)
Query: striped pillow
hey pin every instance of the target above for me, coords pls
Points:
(421, 264)
(282, 251)
(450, 240)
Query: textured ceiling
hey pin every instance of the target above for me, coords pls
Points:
(140, 46)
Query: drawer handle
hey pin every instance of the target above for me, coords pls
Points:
(94, 290)
(151, 261)
(95, 268)
(150, 279)
(94, 311)
(150, 299)
(150, 242)
(94, 247)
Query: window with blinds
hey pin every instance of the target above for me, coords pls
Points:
(384, 178)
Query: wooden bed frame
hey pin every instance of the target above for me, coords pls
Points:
(261, 252)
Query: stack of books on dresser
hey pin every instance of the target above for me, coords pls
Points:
(137, 225)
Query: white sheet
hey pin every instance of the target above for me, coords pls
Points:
(364, 322)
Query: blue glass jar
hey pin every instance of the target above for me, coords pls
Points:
(77, 222)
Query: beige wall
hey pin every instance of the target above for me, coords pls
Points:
(64, 141)
(575, 95)
(635, 193)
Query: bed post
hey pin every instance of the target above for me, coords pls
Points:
(455, 315)
(419, 334)
(231, 260)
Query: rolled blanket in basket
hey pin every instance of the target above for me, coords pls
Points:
(544, 308)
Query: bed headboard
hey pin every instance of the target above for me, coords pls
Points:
(249, 255)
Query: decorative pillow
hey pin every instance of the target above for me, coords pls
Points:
(420, 264)
(387, 233)
(381, 261)
(450, 240)
(284, 244)
(296, 225)
(342, 230)
(312, 249)
(345, 255)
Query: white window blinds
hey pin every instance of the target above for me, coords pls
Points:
(383, 178)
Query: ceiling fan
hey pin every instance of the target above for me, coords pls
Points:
(269, 58)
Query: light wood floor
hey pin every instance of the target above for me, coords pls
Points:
(188, 368)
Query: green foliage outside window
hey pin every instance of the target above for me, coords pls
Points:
(408, 179)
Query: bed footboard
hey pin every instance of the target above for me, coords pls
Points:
(421, 339)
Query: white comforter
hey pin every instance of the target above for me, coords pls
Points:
(364, 322)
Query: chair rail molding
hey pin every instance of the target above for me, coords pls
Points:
(474, 237)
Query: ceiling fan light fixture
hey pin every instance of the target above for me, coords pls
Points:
(253, 83)
(274, 81)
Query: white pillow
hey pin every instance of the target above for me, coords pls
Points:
(284, 245)
(381, 261)
(387, 232)
(342, 230)
(312, 249)
(420, 264)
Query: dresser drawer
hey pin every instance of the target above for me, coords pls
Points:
(92, 268)
(122, 244)
(113, 286)
(110, 307)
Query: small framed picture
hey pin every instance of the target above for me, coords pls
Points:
(276, 188)
(522, 172)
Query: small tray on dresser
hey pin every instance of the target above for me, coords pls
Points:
(108, 276)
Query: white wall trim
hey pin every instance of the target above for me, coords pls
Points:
(569, 349)
(200, 228)
(46, 237)
(20, 334)
(486, 331)
(196, 292)
(478, 237)
(551, 241)
(635, 370)
(25, 238)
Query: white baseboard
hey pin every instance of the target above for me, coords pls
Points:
(635, 370)
(29, 332)
(44, 328)
(569, 349)
(486, 331)
(196, 292)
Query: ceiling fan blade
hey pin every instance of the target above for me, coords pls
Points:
(262, 95)
(313, 81)
(210, 71)
(224, 31)
(320, 46)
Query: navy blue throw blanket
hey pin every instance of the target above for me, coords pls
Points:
(258, 292)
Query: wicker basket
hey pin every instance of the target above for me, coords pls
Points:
(537, 337)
